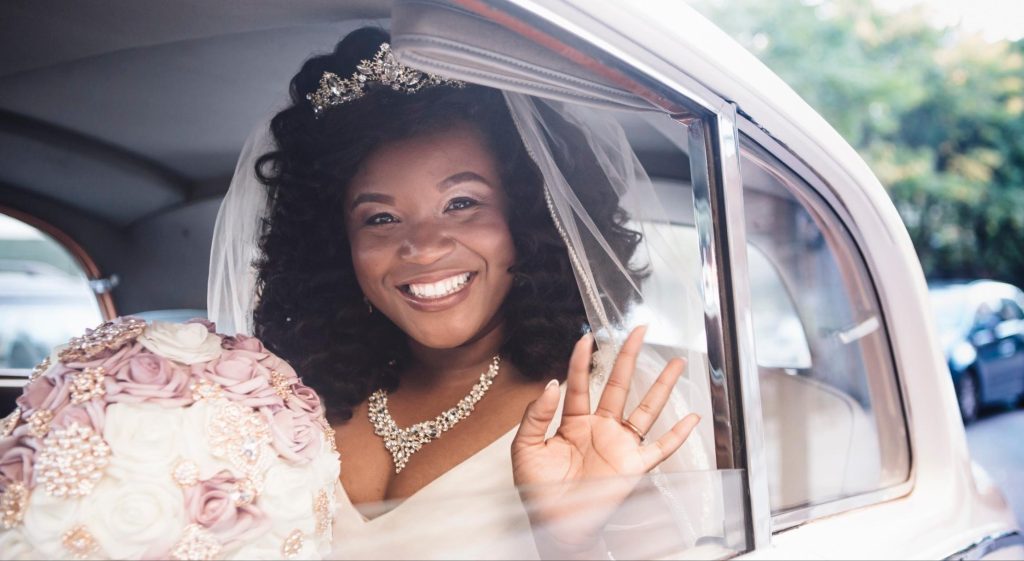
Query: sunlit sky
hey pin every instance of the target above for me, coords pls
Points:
(994, 19)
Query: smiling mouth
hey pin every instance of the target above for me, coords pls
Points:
(437, 290)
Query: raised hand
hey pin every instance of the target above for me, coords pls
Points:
(557, 477)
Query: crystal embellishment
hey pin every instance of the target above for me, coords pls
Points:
(79, 542)
(109, 335)
(71, 461)
(13, 502)
(205, 389)
(244, 492)
(39, 422)
(383, 69)
(322, 512)
(185, 473)
(403, 443)
(39, 370)
(292, 544)
(10, 422)
(196, 543)
(87, 384)
(239, 435)
(282, 385)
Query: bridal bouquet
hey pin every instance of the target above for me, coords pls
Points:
(161, 440)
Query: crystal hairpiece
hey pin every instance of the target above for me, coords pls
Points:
(384, 69)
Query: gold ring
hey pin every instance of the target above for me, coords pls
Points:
(632, 427)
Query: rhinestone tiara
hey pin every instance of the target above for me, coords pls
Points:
(383, 69)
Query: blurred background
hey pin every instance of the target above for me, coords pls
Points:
(931, 93)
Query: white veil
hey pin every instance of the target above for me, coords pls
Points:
(561, 137)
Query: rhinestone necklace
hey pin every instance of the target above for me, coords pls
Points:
(403, 443)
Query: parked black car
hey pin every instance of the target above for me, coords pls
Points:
(981, 327)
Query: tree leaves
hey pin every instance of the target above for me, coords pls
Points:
(939, 116)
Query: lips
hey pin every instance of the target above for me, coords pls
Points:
(431, 290)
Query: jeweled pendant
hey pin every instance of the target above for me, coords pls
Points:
(403, 443)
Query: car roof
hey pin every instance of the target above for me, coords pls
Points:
(118, 94)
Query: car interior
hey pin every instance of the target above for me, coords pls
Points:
(121, 122)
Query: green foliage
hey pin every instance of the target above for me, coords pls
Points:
(939, 117)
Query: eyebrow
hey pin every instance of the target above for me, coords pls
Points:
(462, 177)
(371, 198)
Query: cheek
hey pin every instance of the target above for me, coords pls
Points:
(496, 242)
(368, 261)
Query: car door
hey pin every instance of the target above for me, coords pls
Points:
(865, 313)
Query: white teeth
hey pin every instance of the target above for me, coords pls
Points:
(441, 288)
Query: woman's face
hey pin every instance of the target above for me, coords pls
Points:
(431, 247)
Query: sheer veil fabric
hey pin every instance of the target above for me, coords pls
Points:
(576, 148)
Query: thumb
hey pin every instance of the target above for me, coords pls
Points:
(537, 417)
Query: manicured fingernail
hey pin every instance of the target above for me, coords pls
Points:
(551, 384)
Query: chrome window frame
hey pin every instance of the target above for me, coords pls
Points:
(801, 515)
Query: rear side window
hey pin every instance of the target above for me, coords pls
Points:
(45, 296)
(833, 417)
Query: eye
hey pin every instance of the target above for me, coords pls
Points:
(461, 203)
(380, 219)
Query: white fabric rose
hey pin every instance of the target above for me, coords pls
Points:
(46, 520)
(288, 496)
(188, 343)
(143, 433)
(14, 545)
(136, 518)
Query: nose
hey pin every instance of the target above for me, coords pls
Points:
(426, 243)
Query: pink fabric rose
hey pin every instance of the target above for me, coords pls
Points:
(242, 377)
(16, 458)
(210, 326)
(146, 377)
(296, 436)
(52, 392)
(212, 504)
(304, 400)
(243, 343)
(90, 414)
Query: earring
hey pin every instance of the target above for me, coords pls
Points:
(369, 306)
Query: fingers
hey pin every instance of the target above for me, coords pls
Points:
(647, 412)
(577, 391)
(654, 454)
(537, 417)
(613, 399)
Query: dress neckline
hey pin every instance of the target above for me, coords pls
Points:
(398, 503)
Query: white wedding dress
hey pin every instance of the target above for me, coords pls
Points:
(471, 511)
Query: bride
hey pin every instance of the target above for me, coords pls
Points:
(410, 270)
(438, 261)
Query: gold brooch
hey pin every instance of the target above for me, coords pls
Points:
(13, 503)
(110, 335)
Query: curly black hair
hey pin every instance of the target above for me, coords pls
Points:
(310, 308)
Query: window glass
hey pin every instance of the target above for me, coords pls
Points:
(833, 417)
(45, 297)
(690, 506)
(1011, 311)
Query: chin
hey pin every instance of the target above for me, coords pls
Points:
(443, 335)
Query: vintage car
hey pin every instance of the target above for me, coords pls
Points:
(833, 426)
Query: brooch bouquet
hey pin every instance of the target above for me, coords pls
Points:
(166, 441)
